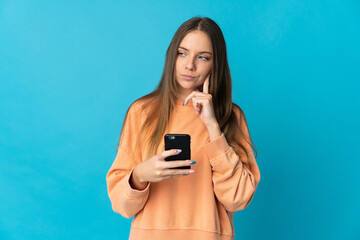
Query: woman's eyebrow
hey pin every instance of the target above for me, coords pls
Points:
(199, 52)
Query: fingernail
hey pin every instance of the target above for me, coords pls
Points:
(191, 171)
(178, 150)
(185, 174)
(192, 162)
(184, 103)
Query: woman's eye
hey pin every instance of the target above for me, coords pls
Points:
(181, 53)
(203, 58)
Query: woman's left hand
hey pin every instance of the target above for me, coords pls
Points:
(203, 105)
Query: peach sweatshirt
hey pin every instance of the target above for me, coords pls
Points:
(197, 206)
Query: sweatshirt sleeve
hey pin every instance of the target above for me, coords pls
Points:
(234, 183)
(124, 199)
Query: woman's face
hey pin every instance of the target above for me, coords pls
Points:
(194, 61)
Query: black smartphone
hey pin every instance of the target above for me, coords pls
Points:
(178, 141)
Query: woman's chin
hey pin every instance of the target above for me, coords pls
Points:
(188, 86)
(187, 89)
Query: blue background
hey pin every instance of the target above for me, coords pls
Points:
(70, 69)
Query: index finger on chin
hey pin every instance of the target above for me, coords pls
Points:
(206, 85)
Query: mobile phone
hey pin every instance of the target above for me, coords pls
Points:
(178, 141)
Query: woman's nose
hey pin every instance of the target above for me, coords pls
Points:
(190, 65)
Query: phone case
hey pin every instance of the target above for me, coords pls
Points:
(178, 141)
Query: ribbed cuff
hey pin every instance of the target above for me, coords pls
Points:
(216, 147)
(134, 193)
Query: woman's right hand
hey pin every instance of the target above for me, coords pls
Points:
(156, 169)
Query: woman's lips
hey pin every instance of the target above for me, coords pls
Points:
(187, 77)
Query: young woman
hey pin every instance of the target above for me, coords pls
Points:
(193, 97)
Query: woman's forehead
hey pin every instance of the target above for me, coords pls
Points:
(196, 41)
